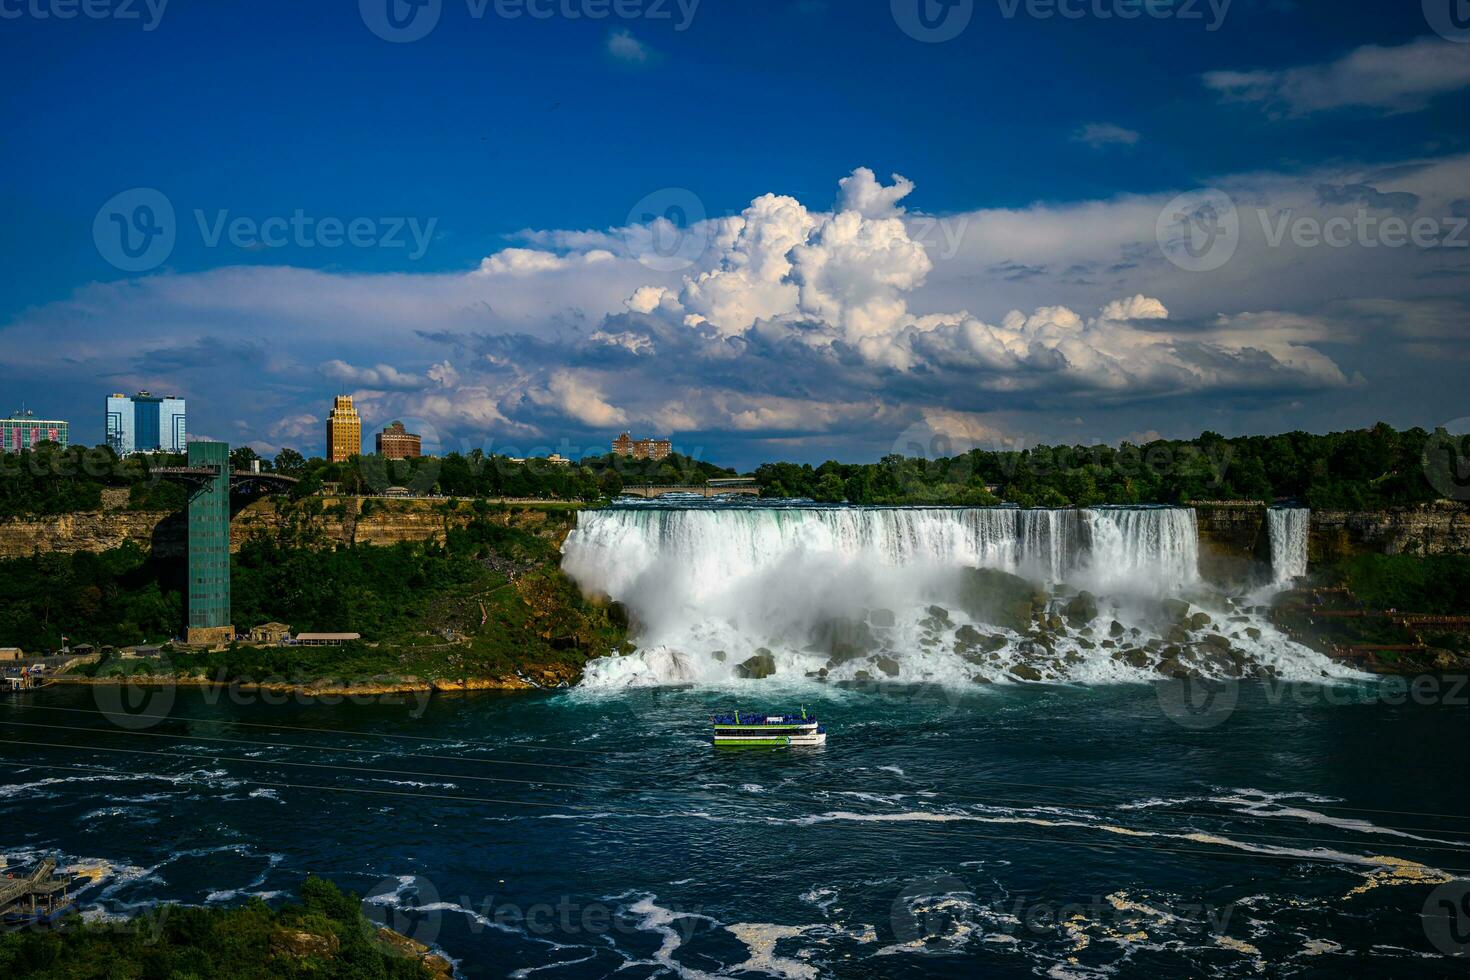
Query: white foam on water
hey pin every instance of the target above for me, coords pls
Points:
(661, 921)
(760, 939)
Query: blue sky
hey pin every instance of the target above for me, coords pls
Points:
(1041, 146)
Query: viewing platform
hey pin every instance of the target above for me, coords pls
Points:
(726, 487)
(239, 479)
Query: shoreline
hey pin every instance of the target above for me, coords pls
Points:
(342, 689)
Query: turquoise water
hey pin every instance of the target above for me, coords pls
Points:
(1009, 831)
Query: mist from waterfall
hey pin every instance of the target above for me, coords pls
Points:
(1287, 530)
(708, 586)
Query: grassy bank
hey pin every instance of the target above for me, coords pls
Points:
(324, 936)
(1438, 585)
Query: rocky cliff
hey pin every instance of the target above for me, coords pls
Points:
(1232, 541)
(1441, 528)
(317, 520)
(93, 531)
(1234, 536)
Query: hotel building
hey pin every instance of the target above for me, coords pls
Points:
(626, 445)
(145, 423)
(344, 430)
(396, 442)
(23, 430)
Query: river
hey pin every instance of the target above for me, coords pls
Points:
(1297, 821)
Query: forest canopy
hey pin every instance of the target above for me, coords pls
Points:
(1358, 469)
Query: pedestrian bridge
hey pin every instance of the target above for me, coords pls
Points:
(712, 488)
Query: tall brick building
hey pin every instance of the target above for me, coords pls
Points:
(395, 442)
(626, 445)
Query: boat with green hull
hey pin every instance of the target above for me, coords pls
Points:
(755, 730)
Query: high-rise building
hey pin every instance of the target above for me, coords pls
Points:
(344, 430)
(23, 430)
(208, 608)
(626, 445)
(396, 442)
(145, 423)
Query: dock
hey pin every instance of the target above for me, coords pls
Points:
(36, 897)
(15, 680)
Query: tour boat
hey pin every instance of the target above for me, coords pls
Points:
(747, 730)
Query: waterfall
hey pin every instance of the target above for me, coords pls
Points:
(1287, 529)
(876, 594)
(1151, 547)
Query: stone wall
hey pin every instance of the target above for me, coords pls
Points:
(318, 521)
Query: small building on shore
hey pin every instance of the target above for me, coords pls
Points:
(11, 653)
(270, 633)
(326, 639)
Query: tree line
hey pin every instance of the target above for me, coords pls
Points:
(51, 479)
(1357, 469)
(1361, 469)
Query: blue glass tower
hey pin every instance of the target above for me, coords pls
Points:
(145, 423)
(209, 547)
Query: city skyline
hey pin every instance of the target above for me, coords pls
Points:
(1023, 277)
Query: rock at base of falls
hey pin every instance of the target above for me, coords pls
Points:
(763, 664)
(999, 598)
(1081, 610)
